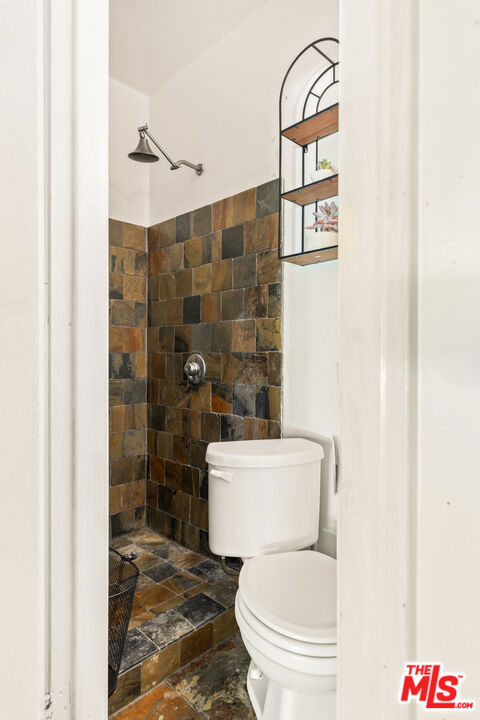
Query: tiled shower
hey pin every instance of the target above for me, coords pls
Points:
(207, 281)
(214, 287)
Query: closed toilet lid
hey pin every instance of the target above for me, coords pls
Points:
(293, 593)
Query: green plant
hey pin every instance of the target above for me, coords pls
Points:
(324, 164)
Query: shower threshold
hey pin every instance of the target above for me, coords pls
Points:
(183, 606)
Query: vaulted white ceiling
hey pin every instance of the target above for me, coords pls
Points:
(152, 40)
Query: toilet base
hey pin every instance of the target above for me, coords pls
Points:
(272, 702)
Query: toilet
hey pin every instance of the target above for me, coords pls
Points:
(264, 507)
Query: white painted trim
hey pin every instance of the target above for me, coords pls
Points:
(23, 313)
(90, 352)
(53, 352)
(58, 213)
(77, 220)
(378, 276)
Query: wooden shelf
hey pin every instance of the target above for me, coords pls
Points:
(326, 188)
(314, 256)
(314, 127)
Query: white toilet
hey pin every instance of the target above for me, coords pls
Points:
(264, 506)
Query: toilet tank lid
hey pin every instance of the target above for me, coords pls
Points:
(264, 453)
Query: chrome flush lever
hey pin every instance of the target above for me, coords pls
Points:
(195, 369)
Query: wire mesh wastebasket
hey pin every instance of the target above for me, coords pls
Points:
(122, 581)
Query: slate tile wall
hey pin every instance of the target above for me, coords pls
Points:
(214, 287)
(128, 375)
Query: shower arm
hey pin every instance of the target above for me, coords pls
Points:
(173, 165)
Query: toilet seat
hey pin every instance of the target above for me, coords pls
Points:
(291, 597)
(298, 647)
(306, 665)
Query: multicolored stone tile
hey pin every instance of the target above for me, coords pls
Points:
(232, 242)
(222, 337)
(268, 198)
(202, 220)
(137, 648)
(269, 334)
(215, 684)
(182, 227)
(129, 687)
(221, 276)
(231, 427)
(208, 570)
(223, 591)
(243, 336)
(180, 584)
(243, 206)
(167, 627)
(161, 703)
(255, 429)
(245, 271)
(232, 304)
(269, 268)
(222, 214)
(199, 609)
(193, 252)
(179, 556)
(161, 571)
(244, 400)
(261, 234)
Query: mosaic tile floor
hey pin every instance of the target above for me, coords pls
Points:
(183, 606)
(210, 688)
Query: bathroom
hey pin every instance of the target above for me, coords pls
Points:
(194, 269)
(269, 431)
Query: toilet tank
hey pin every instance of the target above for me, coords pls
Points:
(263, 496)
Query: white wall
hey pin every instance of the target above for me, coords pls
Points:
(311, 319)
(449, 336)
(129, 180)
(21, 347)
(222, 109)
(310, 373)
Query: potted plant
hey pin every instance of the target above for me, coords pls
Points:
(323, 232)
(327, 219)
(324, 169)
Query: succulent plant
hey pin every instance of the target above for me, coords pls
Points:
(327, 219)
(324, 164)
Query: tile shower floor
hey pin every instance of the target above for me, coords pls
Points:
(183, 607)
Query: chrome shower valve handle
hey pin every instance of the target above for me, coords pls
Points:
(195, 369)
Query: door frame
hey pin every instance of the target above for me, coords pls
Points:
(378, 355)
(378, 281)
(378, 276)
(75, 66)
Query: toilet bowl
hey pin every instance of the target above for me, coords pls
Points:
(289, 630)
